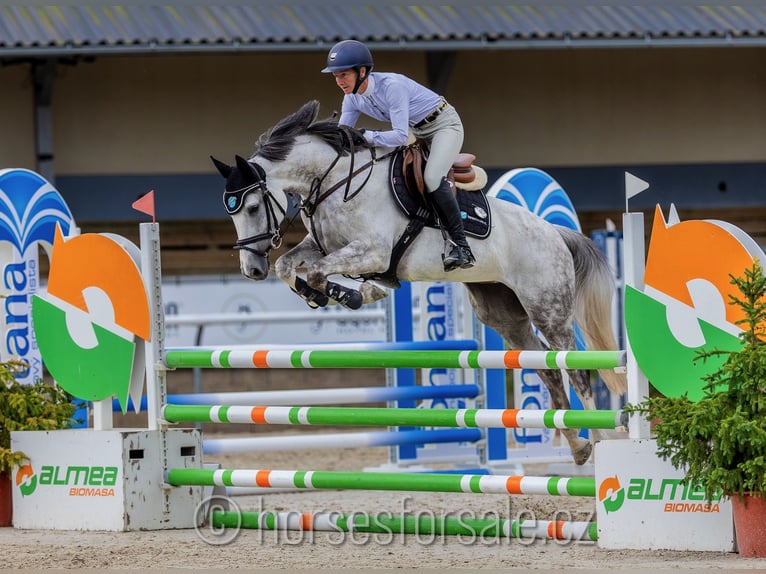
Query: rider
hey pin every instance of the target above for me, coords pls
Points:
(407, 105)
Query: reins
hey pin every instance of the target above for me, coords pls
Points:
(310, 207)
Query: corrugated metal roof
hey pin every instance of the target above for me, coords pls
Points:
(87, 29)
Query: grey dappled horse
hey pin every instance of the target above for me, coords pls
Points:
(527, 271)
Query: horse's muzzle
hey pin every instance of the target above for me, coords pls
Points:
(254, 265)
(256, 273)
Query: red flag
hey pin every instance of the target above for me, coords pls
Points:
(145, 204)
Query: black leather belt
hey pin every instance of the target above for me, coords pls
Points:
(432, 116)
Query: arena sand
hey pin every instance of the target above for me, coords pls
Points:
(206, 550)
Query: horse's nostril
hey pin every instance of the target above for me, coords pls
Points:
(257, 273)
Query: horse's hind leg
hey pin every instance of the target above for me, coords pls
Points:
(498, 307)
(560, 335)
(583, 385)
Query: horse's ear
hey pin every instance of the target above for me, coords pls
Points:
(313, 107)
(222, 168)
(246, 169)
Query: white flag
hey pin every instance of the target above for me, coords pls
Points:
(634, 185)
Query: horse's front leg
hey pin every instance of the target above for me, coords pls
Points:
(356, 258)
(301, 257)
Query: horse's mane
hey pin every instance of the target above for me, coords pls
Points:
(277, 143)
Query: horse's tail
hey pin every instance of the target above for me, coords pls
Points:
(594, 290)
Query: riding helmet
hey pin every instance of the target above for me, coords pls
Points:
(348, 54)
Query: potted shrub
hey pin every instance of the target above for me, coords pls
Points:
(38, 406)
(719, 442)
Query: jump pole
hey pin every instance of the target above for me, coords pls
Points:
(303, 397)
(429, 482)
(337, 440)
(392, 524)
(350, 416)
(319, 359)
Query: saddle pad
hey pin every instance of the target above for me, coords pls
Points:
(477, 218)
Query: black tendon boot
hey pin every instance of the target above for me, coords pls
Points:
(448, 211)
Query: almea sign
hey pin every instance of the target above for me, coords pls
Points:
(80, 480)
(676, 307)
(642, 503)
(87, 326)
(671, 492)
(86, 479)
(93, 326)
(90, 322)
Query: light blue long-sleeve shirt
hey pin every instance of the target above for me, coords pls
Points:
(390, 97)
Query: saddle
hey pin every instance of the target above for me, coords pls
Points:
(408, 189)
(462, 175)
(467, 181)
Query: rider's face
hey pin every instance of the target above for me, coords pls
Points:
(346, 80)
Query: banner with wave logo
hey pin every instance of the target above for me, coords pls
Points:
(30, 209)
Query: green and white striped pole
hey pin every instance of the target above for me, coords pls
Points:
(217, 358)
(352, 416)
(481, 528)
(431, 482)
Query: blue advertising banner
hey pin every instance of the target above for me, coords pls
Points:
(30, 210)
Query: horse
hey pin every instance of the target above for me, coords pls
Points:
(529, 273)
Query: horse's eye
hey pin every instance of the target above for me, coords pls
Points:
(252, 209)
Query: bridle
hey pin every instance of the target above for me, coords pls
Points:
(234, 201)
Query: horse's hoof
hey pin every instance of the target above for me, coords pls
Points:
(371, 293)
(582, 454)
(316, 302)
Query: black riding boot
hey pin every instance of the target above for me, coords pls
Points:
(448, 212)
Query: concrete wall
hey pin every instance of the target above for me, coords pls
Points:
(16, 117)
(167, 114)
(607, 107)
